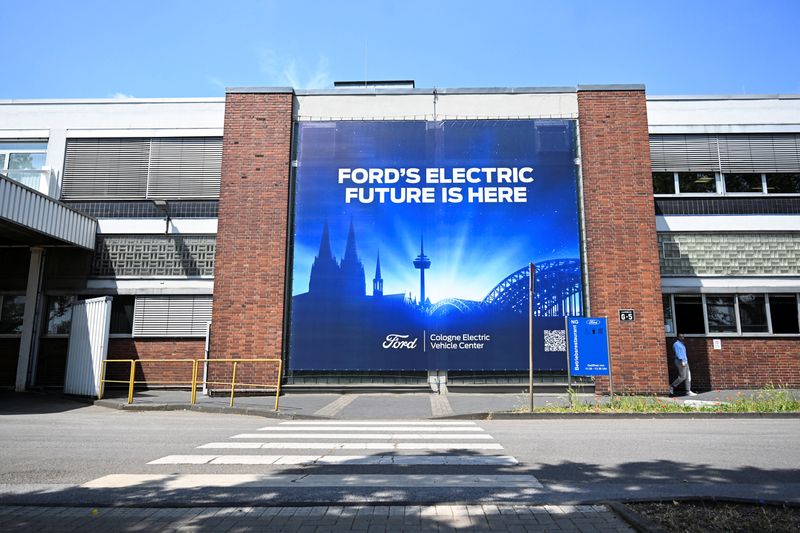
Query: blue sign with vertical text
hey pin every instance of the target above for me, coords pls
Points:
(587, 343)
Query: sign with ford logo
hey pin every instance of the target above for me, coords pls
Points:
(587, 346)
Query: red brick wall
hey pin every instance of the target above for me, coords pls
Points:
(155, 373)
(621, 235)
(742, 363)
(252, 233)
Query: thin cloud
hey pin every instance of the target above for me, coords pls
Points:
(216, 82)
(288, 71)
(121, 96)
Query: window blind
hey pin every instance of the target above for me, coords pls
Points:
(105, 168)
(171, 316)
(756, 152)
(185, 168)
(163, 168)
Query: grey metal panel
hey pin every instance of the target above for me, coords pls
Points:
(33, 210)
(171, 316)
(88, 346)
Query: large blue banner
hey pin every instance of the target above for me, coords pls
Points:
(412, 241)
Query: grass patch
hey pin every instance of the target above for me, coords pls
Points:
(718, 517)
(767, 400)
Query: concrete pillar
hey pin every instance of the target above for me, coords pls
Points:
(29, 317)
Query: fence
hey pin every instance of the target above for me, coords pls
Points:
(194, 381)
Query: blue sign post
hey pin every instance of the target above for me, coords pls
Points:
(587, 348)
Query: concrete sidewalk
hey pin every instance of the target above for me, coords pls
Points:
(356, 405)
(318, 518)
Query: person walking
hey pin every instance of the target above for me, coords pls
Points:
(682, 363)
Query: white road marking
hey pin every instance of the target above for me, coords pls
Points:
(232, 445)
(374, 423)
(194, 481)
(373, 428)
(428, 460)
(184, 460)
(361, 446)
(367, 436)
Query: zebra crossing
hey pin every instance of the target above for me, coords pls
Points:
(292, 455)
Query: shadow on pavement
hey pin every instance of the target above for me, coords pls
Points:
(564, 483)
(28, 403)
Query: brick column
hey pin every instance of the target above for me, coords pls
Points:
(249, 274)
(622, 253)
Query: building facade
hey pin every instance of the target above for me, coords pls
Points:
(200, 217)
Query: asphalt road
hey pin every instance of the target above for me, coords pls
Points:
(50, 449)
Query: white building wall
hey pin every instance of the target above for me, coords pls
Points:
(724, 114)
(427, 105)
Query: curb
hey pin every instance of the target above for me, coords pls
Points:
(637, 521)
(503, 415)
(250, 411)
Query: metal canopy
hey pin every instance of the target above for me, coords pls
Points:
(30, 218)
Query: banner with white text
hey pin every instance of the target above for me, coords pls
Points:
(412, 239)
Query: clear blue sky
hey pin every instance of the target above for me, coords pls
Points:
(167, 48)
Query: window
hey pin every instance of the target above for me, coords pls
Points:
(753, 313)
(783, 313)
(748, 183)
(689, 314)
(721, 312)
(59, 314)
(783, 183)
(697, 182)
(734, 183)
(663, 182)
(669, 322)
(12, 309)
(23, 162)
(729, 314)
(122, 315)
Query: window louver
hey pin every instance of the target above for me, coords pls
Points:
(113, 169)
(185, 168)
(757, 152)
(760, 153)
(683, 152)
(106, 168)
(171, 316)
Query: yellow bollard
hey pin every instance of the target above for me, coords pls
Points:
(102, 381)
(233, 382)
(278, 389)
(194, 381)
(131, 383)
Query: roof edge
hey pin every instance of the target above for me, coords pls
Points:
(105, 101)
(259, 90)
(371, 91)
(612, 87)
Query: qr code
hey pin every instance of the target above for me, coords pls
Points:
(555, 340)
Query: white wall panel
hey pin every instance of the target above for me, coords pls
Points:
(88, 346)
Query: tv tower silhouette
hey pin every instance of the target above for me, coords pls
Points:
(422, 263)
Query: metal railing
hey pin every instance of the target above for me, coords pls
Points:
(194, 382)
